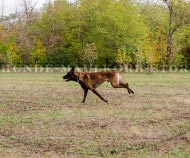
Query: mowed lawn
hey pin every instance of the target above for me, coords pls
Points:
(42, 116)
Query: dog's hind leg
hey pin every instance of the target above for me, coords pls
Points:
(126, 85)
(122, 85)
(95, 92)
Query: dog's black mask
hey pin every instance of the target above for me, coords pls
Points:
(70, 75)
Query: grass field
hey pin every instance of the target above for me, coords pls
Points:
(42, 116)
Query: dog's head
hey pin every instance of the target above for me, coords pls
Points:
(70, 76)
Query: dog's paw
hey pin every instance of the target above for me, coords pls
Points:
(105, 101)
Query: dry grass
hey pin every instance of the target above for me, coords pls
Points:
(41, 116)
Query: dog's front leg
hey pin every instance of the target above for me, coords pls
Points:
(88, 84)
(95, 92)
(85, 94)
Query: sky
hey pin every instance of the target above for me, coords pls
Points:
(11, 5)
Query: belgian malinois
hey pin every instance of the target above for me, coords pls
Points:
(91, 80)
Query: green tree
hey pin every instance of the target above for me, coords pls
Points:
(178, 16)
(183, 42)
(148, 31)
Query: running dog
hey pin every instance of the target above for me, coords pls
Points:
(91, 80)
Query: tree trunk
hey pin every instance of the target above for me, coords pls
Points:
(169, 46)
(126, 69)
(170, 35)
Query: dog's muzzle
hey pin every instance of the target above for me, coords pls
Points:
(66, 79)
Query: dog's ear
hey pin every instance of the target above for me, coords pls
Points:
(73, 68)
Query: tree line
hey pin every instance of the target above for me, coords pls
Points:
(96, 32)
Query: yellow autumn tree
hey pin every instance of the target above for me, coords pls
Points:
(14, 56)
(152, 49)
(157, 49)
(88, 55)
(9, 52)
(123, 58)
(38, 55)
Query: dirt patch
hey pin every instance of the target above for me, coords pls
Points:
(44, 118)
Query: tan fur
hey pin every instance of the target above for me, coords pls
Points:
(95, 79)
(91, 80)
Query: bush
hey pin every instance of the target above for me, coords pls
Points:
(61, 56)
